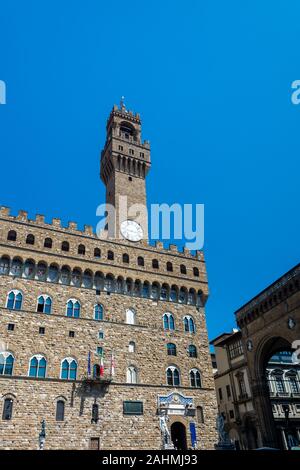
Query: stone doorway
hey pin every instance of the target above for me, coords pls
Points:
(178, 435)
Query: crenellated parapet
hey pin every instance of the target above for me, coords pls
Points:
(72, 228)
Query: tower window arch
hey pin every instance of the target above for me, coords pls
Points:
(6, 363)
(110, 255)
(182, 269)
(192, 350)
(48, 243)
(171, 349)
(155, 264)
(131, 347)
(65, 246)
(30, 239)
(73, 308)
(37, 366)
(141, 261)
(16, 267)
(169, 266)
(97, 253)
(12, 236)
(189, 324)
(44, 304)
(195, 378)
(68, 369)
(14, 300)
(168, 321)
(98, 312)
(196, 272)
(7, 409)
(125, 258)
(81, 249)
(4, 265)
(173, 376)
(131, 375)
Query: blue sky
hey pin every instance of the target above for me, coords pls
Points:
(212, 81)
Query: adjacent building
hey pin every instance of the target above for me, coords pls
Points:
(258, 368)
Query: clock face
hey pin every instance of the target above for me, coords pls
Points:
(131, 230)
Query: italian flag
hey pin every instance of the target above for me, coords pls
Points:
(101, 366)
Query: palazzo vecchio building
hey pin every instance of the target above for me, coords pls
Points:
(103, 342)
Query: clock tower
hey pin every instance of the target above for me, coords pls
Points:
(125, 162)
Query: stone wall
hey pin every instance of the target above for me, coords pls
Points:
(35, 399)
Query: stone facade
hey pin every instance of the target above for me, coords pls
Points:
(85, 272)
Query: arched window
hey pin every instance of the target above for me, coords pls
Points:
(110, 255)
(12, 235)
(76, 277)
(192, 350)
(97, 253)
(192, 297)
(140, 261)
(81, 249)
(137, 287)
(293, 381)
(189, 324)
(199, 300)
(16, 267)
(131, 347)
(98, 312)
(131, 376)
(41, 271)
(195, 378)
(125, 258)
(168, 321)
(172, 374)
(169, 266)
(65, 275)
(7, 409)
(164, 292)
(130, 316)
(53, 273)
(174, 294)
(87, 279)
(29, 269)
(109, 283)
(6, 363)
(183, 269)
(30, 239)
(68, 369)
(44, 304)
(196, 272)
(4, 265)
(200, 414)
(155, 264)
(65, 246)
(14, 300)
(155, 291)
(37, 367)
(146, 290)
(60, 410)
(128, 286)
(171, 349)
(73, 308)
(182, 295)
(48, 243)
